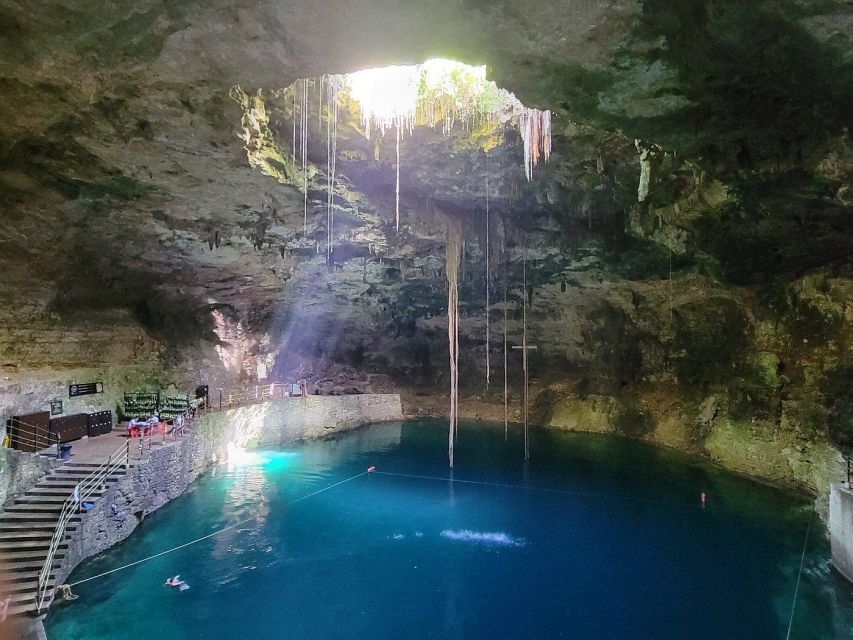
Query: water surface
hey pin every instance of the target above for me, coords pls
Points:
(597, 537)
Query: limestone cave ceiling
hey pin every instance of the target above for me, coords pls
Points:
(125, 185)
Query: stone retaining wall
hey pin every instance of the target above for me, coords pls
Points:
(169, 470)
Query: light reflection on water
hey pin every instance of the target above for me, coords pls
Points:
(387, 556)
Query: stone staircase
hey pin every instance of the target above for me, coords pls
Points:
(27, 527)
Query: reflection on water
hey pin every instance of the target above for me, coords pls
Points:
(616, 545)
(323, 455)
(483, 537)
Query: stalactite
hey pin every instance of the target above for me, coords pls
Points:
(404, 96)
(535, 128)
(645, 170)
(452, 268)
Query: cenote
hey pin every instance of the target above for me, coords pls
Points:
(596, 537)
(287, 231)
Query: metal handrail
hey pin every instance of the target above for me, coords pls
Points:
(73, 505)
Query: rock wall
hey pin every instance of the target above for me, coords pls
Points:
(783, 456)
(20, 471)
(841, 529)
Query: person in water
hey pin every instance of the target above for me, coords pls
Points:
(176, 583)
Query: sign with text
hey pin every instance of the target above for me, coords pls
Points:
(85, 389)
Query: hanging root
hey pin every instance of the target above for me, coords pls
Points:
(488, 341)
(453, 256)
(506, 386)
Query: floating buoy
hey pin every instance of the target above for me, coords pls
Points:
(702, 497)
(371, 468)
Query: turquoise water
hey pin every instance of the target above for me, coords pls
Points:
(597, 537)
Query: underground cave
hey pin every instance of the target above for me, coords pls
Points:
(426, 319)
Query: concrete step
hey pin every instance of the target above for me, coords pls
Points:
(27, 565)
(21, 610)
(32, 508)
(29, 587)
(52, 490)
(82, 471)
(20, 580)
(18, 515)
(66, 483)
(9, 557)
(26, 524)
(51, 498)
(24, 598)
(25, 534)
(89, 466)
(85, 470)
(26, 545)
(79, 477)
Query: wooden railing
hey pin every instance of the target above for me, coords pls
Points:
(95, 481)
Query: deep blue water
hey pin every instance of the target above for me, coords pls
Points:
(597, 537)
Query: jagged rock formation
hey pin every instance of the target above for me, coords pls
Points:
(689, 242)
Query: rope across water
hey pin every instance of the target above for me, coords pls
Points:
(211, 535)
(799, 576)
(502, 485)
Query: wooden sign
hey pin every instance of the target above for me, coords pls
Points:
(85, 389)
